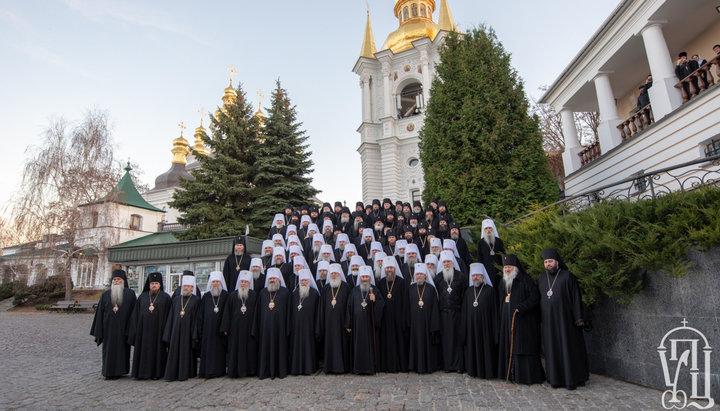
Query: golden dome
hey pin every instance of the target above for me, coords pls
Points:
(199, 142)
(229, 95)
(415, 17)
(180, 148)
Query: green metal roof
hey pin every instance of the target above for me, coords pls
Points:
(160, 247)
(126, 193)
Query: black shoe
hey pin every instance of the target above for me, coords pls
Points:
(571, 387)
(555, 386)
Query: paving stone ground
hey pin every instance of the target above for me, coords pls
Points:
(49, 361)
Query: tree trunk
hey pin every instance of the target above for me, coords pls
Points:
(68, 271)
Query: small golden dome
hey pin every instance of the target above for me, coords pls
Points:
(199, 142)
(180, 148)
(415, 17)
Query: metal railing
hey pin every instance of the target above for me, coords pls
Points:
(644, 186)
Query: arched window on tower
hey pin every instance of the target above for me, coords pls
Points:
(414, 10)
(410, 101)
(406, 14)
(423, 12)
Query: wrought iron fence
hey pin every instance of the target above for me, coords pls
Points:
(644, 186)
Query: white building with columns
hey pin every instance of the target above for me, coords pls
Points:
(641, 38)
(395, 84)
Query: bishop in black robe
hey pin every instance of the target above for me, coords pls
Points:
(363, 319)
(450, 304)
(111, 326)
(212, 340)
(424, 323)
(521, 300)
(304, 331)
(238, 260)
(479, 325)
(147, 325)
(272, 327)
(490, 251)
(237, 324)
(563, 319)
(333, 309)
(181, 333)
(394, 327)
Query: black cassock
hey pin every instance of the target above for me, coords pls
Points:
(230, 268)
(526, 367)
(491, 257)
(258, 283)
(111, 329)
(359, 319)
(304, 332)
(563, 341)
(449, 305)
(479, 331)
(241, 345)
(393, 348)
(182, 337)
(424, 328)
(287, 272)
(212, 341)
(271, 331)
(335, 338)
(146, 332)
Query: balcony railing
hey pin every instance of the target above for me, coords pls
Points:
(590, 153)
(171, 227)
(636, 123)
(698, 81)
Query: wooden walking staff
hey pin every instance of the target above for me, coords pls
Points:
(372, 316)
(512, 340)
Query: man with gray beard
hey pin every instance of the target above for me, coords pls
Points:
(431, 262)
(479, 324)
(451, 285)
(519, 325)
(272, 329)
(258, 274)
(304, 308)
(362, 321)
(331, 324)
(490, 250)
(237, 324)
(212, 341)
(111, 325)
(412, 257)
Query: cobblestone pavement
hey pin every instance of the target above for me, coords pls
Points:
(48, 361)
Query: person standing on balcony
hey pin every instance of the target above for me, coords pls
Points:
(701, 62)
(644, 97)
(684, 68)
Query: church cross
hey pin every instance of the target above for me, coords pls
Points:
(182, 127)
(202, 115)
(231, 69)
(684, 322)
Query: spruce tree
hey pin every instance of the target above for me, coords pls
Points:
(218, 201)
(481, 151)
(283, 164)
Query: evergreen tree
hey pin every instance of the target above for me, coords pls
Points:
(218, 201)
(283, 164)
(481, 151)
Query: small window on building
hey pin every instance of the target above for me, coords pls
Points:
(410, 100)
(414, 10)
(406, 14)
(712, 148)
(413, 162)
(415, 196)
(423, 12)
(136, 222)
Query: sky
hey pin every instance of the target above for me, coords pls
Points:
(153, 64)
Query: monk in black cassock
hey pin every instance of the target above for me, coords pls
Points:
(479, 324)
(424, 322)
(147, 325)
(280, 262)
(304, 331)
(451, 285)
(212, 340)
(111, 326)
(519, 298)
(238, 260)
(272, 327)
(258, 274)
(490, 250)
(237, 324)
(362, 321)
(181, 333)
(394, 327)
(563, 320)
(333, 309)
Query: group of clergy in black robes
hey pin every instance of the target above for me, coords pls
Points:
(413, 305)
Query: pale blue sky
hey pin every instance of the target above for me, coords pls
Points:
(152, 64)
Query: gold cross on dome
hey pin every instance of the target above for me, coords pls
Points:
(202, 115)
(261, 96)
(231, 69)
(182, 127)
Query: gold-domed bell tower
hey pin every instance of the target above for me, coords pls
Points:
(415, 18)
(180, 147)
(229, 95)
